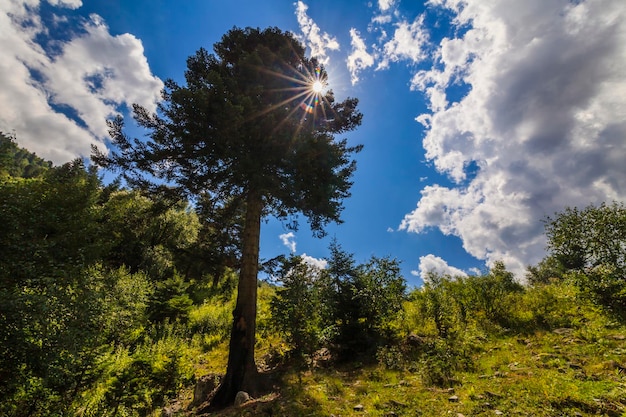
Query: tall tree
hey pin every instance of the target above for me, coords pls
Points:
(252, 125)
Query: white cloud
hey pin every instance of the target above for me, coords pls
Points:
(382, 19)
(385, 5)
(434, 264)
(315, 262)
(407, 43)
(70, 4)
(318, 42)
(359, 59)
(543, 120)
(58, 99)
(289, 240)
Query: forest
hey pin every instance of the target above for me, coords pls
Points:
(140, 297)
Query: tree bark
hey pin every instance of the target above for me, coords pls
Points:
(241, 372)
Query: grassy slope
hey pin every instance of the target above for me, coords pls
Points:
(573, 370)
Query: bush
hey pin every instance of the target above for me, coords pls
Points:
(590, 244)
(136, 382)
(364, 301)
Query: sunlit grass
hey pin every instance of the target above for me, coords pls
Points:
(570, 367)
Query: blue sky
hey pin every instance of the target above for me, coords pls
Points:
(481, 117)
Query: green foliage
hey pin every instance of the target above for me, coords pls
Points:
(547, 270)
(296, 307)
(346, 306)
(124, 299)
(360, 302)
(135, 382)
(49, 235)
(590, 243)
(236, 126)
(449, 304)
(170, 300)
(18, 162)
(211, 320)
(148, 235)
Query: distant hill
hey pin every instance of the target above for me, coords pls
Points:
(19, 162)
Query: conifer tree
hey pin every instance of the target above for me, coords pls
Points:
(250, 124)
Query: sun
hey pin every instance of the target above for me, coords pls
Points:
(317, 87)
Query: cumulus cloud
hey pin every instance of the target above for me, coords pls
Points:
(397, 40)
(70, 4)
(407, 44)
(318, 42)
(543, 121)
(289, 240)
(385, 5)
(359, 59)
(314, 262)
(434, 264)
(56, 94)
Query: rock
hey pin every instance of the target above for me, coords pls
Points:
(171, 410)
(205, 385)
(563, 331)
(498, 412)
(358, 407)
(612, 365)
(453, 399)
(242, 398)
(322, 358)
(395, 403)
(490, 394)
(415, 340)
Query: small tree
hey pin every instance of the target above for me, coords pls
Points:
(591, 243)
(296, 307)
(249, 126)
(363, 300)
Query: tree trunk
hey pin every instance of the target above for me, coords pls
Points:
(241, 372)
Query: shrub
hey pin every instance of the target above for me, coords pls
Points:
(362, 301)
(590, 244)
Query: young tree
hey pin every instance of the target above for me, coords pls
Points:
(296, 307)
(249, 125)
(592, 244)
(360, 300)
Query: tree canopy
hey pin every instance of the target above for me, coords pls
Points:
(238, 124)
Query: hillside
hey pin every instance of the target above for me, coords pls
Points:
(572, 367)
(118, 303)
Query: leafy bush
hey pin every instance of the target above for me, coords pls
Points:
(361, 301)
(590, 243)
(136, 382)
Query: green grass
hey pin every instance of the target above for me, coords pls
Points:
(572, 365)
